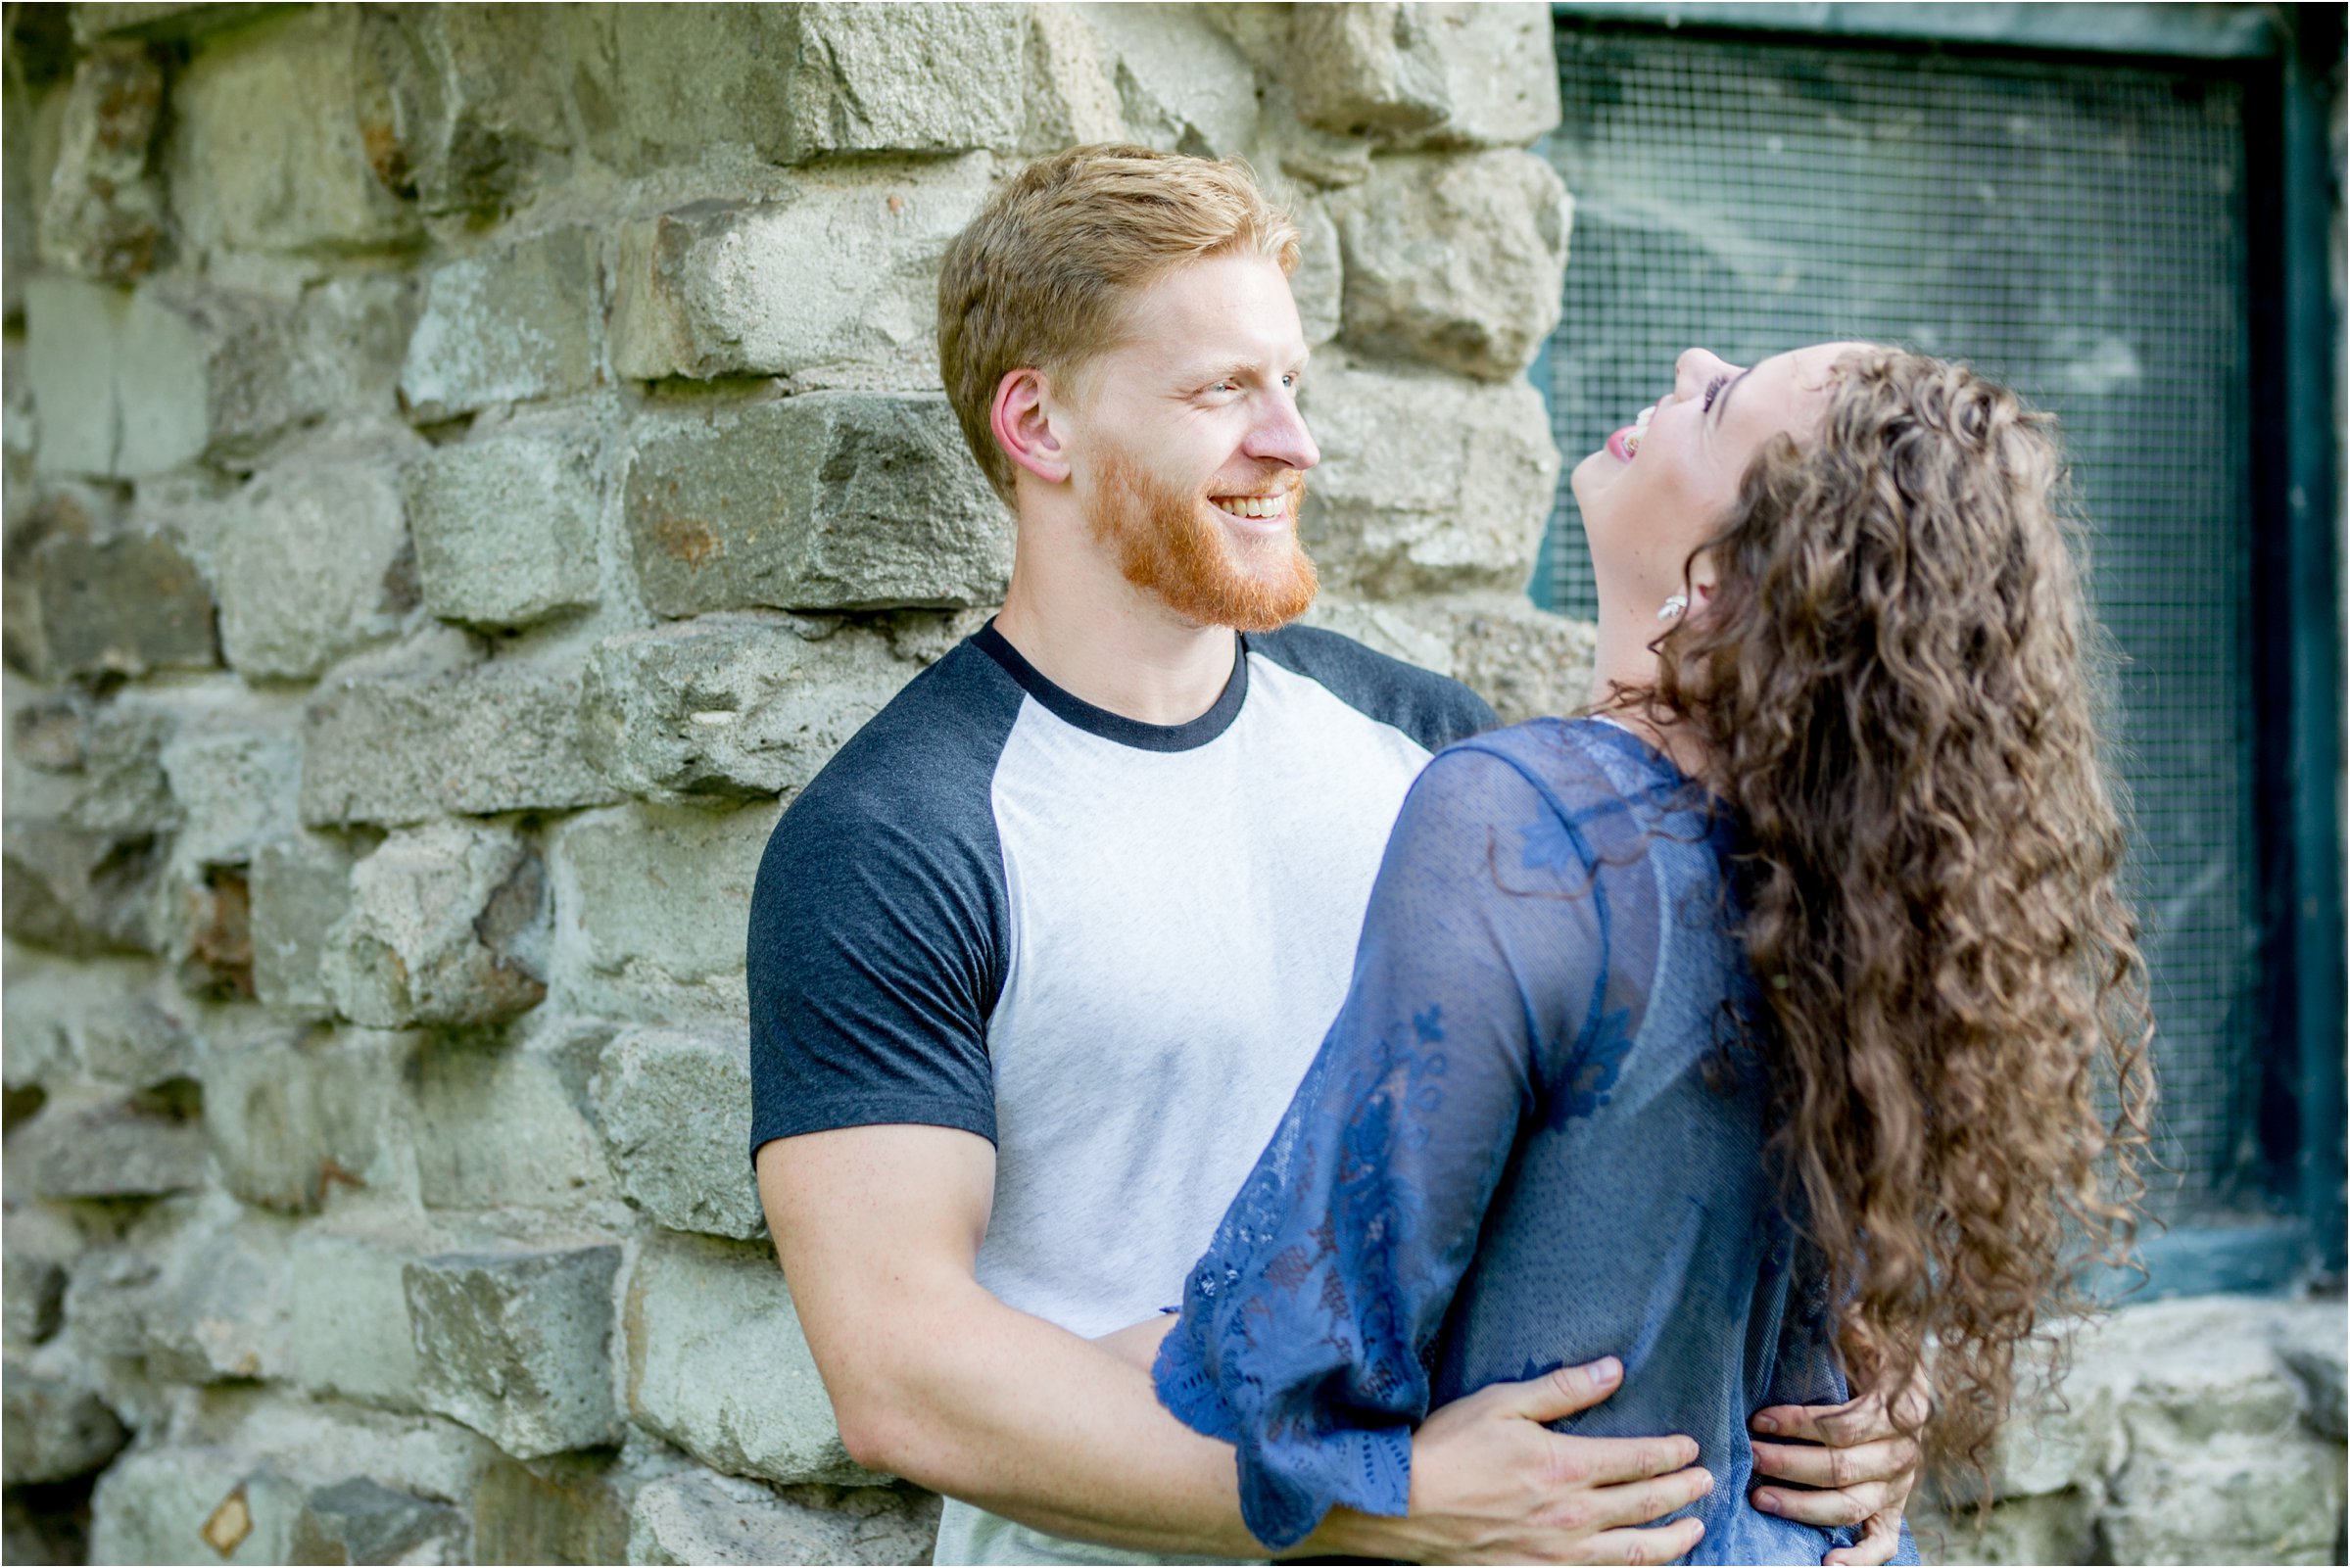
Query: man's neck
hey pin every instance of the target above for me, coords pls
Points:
(1101, 639)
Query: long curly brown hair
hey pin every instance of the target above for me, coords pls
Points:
(1897, 685)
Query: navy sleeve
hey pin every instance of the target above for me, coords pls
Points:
(1433, 709)
(878, 924)
(1304, 1327)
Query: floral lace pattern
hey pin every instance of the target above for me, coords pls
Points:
(1515, 1150)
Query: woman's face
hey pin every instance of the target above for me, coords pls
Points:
(1661, 485)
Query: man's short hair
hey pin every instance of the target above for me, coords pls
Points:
(1038, 278)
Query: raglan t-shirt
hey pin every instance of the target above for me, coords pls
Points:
(1109, 947)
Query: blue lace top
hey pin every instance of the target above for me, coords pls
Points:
(1529, 1140)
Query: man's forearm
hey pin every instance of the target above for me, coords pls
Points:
(999, 1408)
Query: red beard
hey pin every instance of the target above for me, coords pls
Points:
(1168, 546)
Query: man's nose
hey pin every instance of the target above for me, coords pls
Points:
(1281, 435)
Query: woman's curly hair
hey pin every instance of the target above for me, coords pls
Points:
(1897, 688)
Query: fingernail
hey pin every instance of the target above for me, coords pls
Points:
(1766, 1500)
(1764, 1423)
(1607, 1370)
(1709, 1492)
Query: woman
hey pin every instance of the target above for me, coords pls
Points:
(1748, 1031)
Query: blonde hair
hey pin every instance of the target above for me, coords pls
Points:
(1038, 279)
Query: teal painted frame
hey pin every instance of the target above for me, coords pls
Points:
(2282, 53)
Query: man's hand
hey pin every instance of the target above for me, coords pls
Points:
(1850, 1463)
(1490, 1483)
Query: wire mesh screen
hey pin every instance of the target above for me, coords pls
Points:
(2075, 231)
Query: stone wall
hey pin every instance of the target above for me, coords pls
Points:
(465, 468)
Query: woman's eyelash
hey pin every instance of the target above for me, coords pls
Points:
(1713, 388)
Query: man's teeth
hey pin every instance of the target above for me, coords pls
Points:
(1253, 505)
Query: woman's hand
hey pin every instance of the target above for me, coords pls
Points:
(1850, 1464)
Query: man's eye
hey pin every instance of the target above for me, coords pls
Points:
(1712, 389)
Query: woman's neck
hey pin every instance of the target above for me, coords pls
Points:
(1624, 672)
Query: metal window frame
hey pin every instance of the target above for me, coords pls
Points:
(2282, 55)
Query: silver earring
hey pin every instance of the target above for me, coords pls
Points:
(1673, 607)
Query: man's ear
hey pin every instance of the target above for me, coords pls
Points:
(1023, 426)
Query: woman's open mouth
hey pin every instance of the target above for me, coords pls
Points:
(1624, 445)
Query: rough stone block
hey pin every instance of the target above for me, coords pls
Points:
(172, 21)
(72, 329)
(1319, 285)
(1071, 92)
(1419, 74)
(675, 1110)
(78, 891)
(1427, 484)
(266, 152)
(361, 1520)
(841, 271)
(462, 107)
(569, 1509)
(505, 528)
(1412, 631)
(234, 783)
(830, 501)
(95, 1144)
(193, 1504)
(293, 1118)
(300, 886)
(1527, 662)
(2057, 1527)
(651, 904)
(519, 322)
(800, 82)
(901, 78)
(121, 785)
(444, 927)
(305, 565)
(1183, 85)
(134, 1040)
(2308, 1336)
(323, 1442)
(502, 737)
(32, 1293)
(132, 385)
(730, 706)
(2225, 1497)
(108, 1295)
(57, 1426)
(351, 1331)
(698, 1312)
(202, 371)
(1455, 261)
(516, 1343)
(104, 216)
(507, 1124)
(223, 1307)
(122, 606)
(697, 1517)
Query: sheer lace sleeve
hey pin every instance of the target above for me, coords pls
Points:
(1477, 985)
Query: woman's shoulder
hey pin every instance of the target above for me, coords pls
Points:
(1576, 760)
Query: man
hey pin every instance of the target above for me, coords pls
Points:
(1038, 959)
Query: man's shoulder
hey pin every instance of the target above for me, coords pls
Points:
(937, 740)
(1434, 710)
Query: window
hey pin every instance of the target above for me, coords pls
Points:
(2085, 229)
